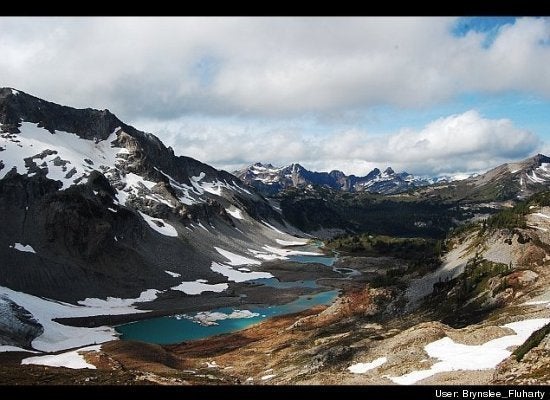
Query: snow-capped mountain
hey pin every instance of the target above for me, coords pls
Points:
(270, 180)
(510, 181)
(520, 179)
(99, 214)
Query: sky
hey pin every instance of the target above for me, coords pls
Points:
(430, 96)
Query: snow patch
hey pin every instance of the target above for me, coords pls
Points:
(273, 228)
(533, 177)
(71, 359)
(285, 252)
(210, 318)
(538, 227)
(268, 377)
(185, 197)
(24, 248)
(300, 242)
(461, 357)
(536, 303)
(236, 213)
(71, 149)
(57, 336)
(173, 274)
(235, 259)
(203, 227)
(238, 276)
(5, 348)
(361, 368)
(165, 229)
(120, 306)
(136, 180)
(265, 256)
(198, 286)
(198, 178)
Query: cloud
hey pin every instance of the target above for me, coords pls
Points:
(167, 67)
(464, 142)
(230, 91)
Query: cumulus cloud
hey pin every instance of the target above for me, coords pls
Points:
(465, 142)
(165, 67)
(199, 82)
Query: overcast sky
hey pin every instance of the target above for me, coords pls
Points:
(427, 95)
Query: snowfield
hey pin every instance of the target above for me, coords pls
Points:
(118, 305)
(462, 357)
(5, 348)
(58, 337)
(299, 242)
(236, 275)
(68, 147)
(71, 359)
(199, 286)
(235, 259)
(361, 368)
(164, 229)
(235, 213)
(24, 248)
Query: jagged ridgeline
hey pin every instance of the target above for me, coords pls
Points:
(270, 180)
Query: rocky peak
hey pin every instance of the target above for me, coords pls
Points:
(539, 159)
(373, 174)
(337, 174)
(270, 180)
(17, 106)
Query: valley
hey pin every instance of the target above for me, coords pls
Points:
(124, 263)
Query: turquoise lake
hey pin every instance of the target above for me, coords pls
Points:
(176, 329)
(169, 330)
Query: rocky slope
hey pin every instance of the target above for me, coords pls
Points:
(509, 181)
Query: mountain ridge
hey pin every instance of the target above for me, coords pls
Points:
(270, 180)
(106, 208)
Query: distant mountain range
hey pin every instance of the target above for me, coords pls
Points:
(270, 180)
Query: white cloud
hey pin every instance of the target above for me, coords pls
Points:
(198, 82)
(464, 142)
(265, 66)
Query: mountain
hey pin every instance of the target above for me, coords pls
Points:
(91, 207)
(510, 181)
(429, 211)
(271, 180)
